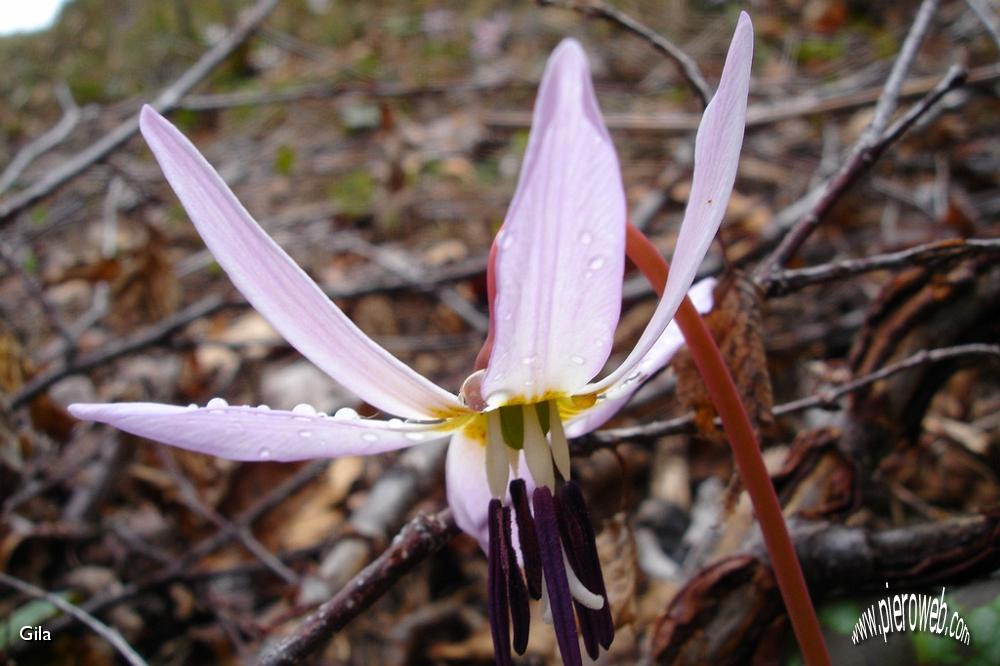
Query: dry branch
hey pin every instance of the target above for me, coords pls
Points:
(163, 102)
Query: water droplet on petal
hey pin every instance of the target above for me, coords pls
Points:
(395, 423)
(586, 238)
(304, 409)
(528, 360)
(192, 406)
(217, 403)
(265, 454)
(345, 414)
(369, 437)
(507, 240)
(415, 436)
(577, 359)
(305, 434)
(596, 263)
(263, 408)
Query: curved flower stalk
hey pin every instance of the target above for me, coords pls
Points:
(556, 272)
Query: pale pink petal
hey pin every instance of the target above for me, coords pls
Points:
(668, 344)
(560, 255)
(468, 490)
(716, 156)
(281, 291)
(256, 433)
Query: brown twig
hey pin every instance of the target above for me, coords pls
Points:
(874, 141)
(857, 165)
(421, 537)
(686, 64)
(191, 497)
(758, 115)
(104, 631)
(781, 283)
(165, 101)
(164, 330)
(826, 399)
(71, 115)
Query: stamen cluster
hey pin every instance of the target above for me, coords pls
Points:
(561, 568)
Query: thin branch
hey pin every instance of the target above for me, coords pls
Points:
(784, 282)
(857, 165)
(164, 330)
(71, 115)
(421, 537)
(686, 64)
(987, 15)
(167, 100)
(104, 631)
(825, 399)
(870, 145)
(828, 399)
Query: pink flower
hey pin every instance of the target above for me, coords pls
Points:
(558, 279)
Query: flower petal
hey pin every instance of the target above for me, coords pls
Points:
(256, 433)
(468, 491)
(716, 157)
(668, 344)
(560, 253)
(281, 291)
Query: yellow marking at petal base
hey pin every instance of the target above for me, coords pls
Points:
(454, 413)
(575, 404)
(474, 428)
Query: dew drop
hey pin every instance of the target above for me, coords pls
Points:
(304, 410)
(596, 263)
(369, 437)
(528, 360)
(577, 359)
(395, 423)
(586, 238)
(305, 434)
(345, 414)
(263, 408)
(415, 436)
(217, 403)
(192, 406)
(265, 454)
(507, 241)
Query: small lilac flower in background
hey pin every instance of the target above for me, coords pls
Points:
(557, 276)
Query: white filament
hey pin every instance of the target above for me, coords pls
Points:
(536, 449)
(580, 591)
(497, 464)
(560, 447)
(546, 609)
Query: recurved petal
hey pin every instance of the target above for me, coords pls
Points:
(257, 433)
(716, 156)
(281, 291)
(467, 488)
(668, 344)
(560, 253)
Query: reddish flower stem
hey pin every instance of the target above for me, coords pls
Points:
(746, 452)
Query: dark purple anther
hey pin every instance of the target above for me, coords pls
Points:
(497, 584)
(556, 584)
(527, 538)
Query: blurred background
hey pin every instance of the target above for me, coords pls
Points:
(379, 144)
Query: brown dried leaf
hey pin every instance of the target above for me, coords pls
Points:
(735, 323)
